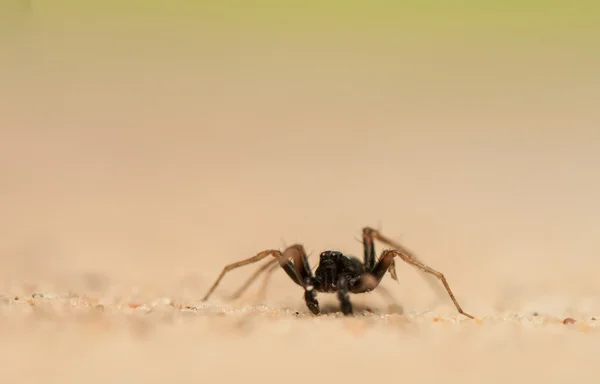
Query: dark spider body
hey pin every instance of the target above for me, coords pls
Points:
(336, 272)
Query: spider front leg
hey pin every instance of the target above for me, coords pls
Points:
(310, 297)
(343, 296)
(291, 260)
(299, 261)
(296, 253)
(387, 258)
(268, 268)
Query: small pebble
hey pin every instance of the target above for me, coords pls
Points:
(569, 320)
(142, 308)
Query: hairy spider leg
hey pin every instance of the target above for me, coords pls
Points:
(262, 291)
(370, 259)
(269, 267)
(386, 259)
(371, 234)
(284, 262)
(343, 297)
(298, 255)
(298, 258)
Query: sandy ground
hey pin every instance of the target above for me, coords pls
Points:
(131, 174)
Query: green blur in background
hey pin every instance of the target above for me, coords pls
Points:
(528, 19)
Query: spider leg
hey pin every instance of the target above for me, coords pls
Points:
(369, 249)
(283, 262)
(298, 256)
(262, 291)
(269, 267)
(388, 256)
(343, 297)
(370, 259)
(367, 282)
(371, 233)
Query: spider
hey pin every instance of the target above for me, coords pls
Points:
(336, 272)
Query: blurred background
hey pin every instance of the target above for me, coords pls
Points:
(149, 143)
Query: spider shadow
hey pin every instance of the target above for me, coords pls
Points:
(360, 304)
(332, 308)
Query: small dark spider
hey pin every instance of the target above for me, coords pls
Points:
(337, 272)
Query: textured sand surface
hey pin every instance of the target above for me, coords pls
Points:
(74, 339)
(133, 170)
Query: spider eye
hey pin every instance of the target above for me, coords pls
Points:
(328, 256)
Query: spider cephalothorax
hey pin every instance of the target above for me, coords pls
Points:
(336, 272)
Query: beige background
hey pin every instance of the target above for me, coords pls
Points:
(153, 163)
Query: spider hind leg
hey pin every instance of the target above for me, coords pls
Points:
(370, 259)
(387, 257)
